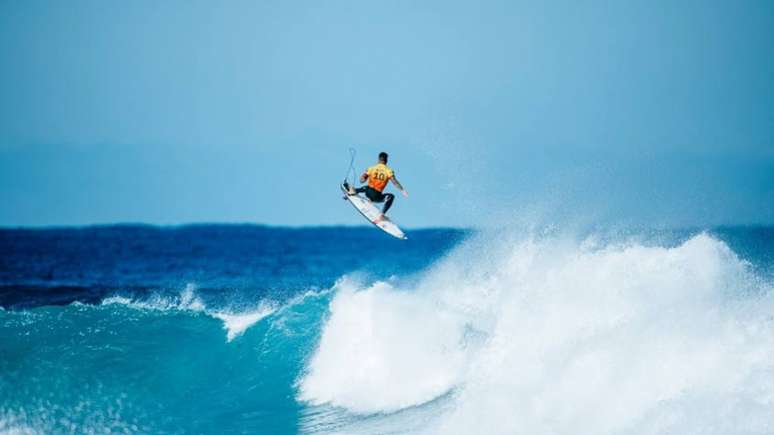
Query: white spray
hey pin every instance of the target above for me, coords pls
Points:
(558, 337)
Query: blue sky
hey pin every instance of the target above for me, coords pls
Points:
(641, 112)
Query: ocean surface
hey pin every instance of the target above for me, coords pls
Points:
(253, 329)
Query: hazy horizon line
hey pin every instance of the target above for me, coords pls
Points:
(129, 224)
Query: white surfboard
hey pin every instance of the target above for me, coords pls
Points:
(370, 212)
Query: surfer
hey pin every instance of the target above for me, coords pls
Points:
(378, 175)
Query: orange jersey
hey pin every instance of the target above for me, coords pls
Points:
(378, 176)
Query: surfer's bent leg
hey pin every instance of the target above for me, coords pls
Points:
(373, 195)
(388, 197)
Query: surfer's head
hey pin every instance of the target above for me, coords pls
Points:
(383, 157)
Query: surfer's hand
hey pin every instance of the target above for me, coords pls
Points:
(404, 193)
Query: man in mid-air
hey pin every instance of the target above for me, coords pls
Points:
(378, 175)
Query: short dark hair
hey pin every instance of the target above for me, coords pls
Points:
(383, 156)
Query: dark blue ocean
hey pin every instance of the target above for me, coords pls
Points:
(253, 329)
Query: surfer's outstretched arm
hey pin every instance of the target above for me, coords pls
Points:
(364, 177)
(399, 186)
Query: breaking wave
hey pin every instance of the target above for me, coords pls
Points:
(551, 336)
(504, 334)
(235, 322)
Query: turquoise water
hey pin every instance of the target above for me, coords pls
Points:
(189, 329)
(247, 329)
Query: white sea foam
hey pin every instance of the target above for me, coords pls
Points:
(545, 336)
(12, 423)
(48, 418)
(235, 322)
(185, 301)
(383, 350)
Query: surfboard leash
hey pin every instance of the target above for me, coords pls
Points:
(351, 169)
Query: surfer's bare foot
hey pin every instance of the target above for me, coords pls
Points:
(382, 217)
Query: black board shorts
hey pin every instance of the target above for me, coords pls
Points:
(374, 195)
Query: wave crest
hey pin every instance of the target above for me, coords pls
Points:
(235, 322)
(553, 336)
